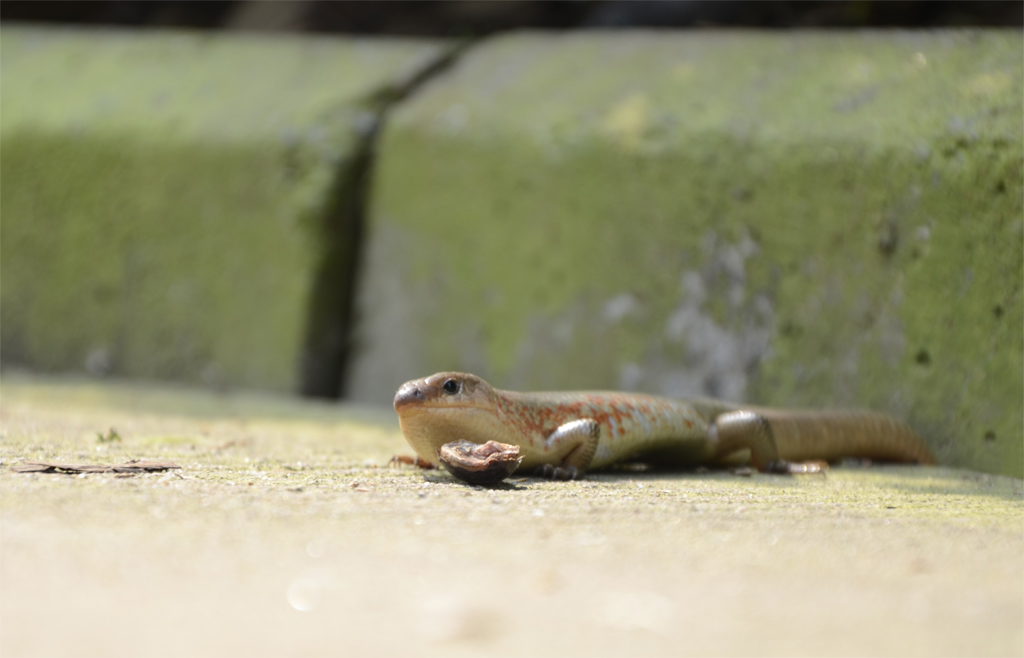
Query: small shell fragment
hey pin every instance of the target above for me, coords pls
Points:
(483, 464)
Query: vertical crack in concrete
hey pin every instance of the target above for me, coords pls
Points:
(330, 323)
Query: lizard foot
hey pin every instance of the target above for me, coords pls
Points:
(783, 467)
(558, 472)
(415, 460)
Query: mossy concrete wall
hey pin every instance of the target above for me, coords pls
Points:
(800, 219)
(829, 219)
(169, 199)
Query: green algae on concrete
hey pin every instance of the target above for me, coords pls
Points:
(811, 219)
(168, 198)
(286, 533)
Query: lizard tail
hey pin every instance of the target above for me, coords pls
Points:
(832, 435)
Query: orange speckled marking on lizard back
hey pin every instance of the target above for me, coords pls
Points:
(616, 413)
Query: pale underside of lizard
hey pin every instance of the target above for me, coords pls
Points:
(569, 433)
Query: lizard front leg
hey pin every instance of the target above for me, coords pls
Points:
(738, 430)
(577, 440)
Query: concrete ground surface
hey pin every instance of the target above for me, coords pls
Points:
(286, 533)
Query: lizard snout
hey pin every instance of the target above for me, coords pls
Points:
(409, 394)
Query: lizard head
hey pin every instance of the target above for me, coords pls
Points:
(445, 407)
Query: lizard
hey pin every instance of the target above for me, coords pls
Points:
(562, 435)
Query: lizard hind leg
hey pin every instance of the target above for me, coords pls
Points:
(746, 430)
(577, 440)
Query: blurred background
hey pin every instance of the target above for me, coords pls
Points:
(764, 201)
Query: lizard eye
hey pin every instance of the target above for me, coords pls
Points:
(451, 386)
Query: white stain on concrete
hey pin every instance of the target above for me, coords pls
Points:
(718, 356)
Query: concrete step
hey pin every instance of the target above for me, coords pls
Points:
(796, 219)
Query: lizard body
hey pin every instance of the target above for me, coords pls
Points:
(572, 432)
